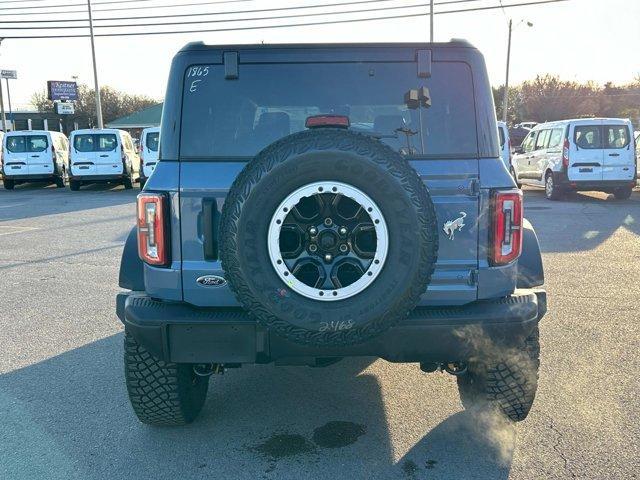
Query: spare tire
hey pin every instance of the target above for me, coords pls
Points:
(329, 237)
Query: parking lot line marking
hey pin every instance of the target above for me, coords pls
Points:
(7, 230)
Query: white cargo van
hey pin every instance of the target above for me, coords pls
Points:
(106, 155)
(505, 145)
(582, 154)
(149, 143)
(34, 156)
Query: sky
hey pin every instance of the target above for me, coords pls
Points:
(579, 40)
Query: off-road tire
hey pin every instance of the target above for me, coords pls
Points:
(8, 184)
(622, 193)
(74, 185)
(161, 393)
(551, 190)
(328, 154)
(507, 385)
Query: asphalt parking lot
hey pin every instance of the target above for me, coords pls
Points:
(65, 413)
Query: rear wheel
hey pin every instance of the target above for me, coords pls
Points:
(551, 190)
(59, 181)
(142, 182)
(127, 182)
(622, 193)
(74, 185)
(162, 393)
(9, 184)
(507, 382)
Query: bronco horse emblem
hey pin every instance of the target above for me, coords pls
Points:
(451, 226)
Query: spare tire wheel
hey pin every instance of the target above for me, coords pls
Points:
(329, 237)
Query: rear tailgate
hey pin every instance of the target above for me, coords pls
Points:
(618, 155)
(40, 156)
(585, 152)
(204, 187)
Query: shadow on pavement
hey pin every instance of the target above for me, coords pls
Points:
(34, 200)
(68, 417)
(583, 221)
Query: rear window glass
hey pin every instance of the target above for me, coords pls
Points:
(92, 142)
(27, 143)
(152, 141)
(228, 118)
(588, 136)
(501, 135)
(617, 136)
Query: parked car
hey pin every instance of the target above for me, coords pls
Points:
(149, 143)
(517, 135)
(529, 125)
(34, 156)
(300, 240)
(505, 145)
(106, 155)
(580, 154)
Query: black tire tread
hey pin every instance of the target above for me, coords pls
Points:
(161, 393)
(509, 385)
(300, 142)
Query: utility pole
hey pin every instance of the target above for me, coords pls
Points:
(95, 70)
(431, 21)
(505, 98)
(9, 99)
(4, 118)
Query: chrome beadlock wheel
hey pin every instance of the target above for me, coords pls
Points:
(328, 241)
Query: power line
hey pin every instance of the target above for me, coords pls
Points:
(328, 22)
(30, 7)
(317, 14)
(115, 9)
(182, 15)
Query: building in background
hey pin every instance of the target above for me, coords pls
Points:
(134, 123)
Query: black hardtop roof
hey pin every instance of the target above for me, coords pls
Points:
(454, 43)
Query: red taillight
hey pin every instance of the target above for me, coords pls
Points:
(315, 121)
(565, 153)
(152, 233)
(507, 227)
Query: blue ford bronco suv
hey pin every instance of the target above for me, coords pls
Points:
(317, 202)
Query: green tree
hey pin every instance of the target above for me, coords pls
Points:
(115, 104)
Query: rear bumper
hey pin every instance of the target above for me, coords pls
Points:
(97, 178)
(598, 185)
(181, 333)
(39, 177)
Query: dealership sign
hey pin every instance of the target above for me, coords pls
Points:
(61, 90)
(64, 108)
(12, 74)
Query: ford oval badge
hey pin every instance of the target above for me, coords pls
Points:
(211, 281)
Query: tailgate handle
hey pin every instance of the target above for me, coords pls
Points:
(614, 154)
(210, 228)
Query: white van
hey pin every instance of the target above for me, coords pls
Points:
(582, 154)
(106, 155)
(34, 156)
(149, 143)
(505, 145)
